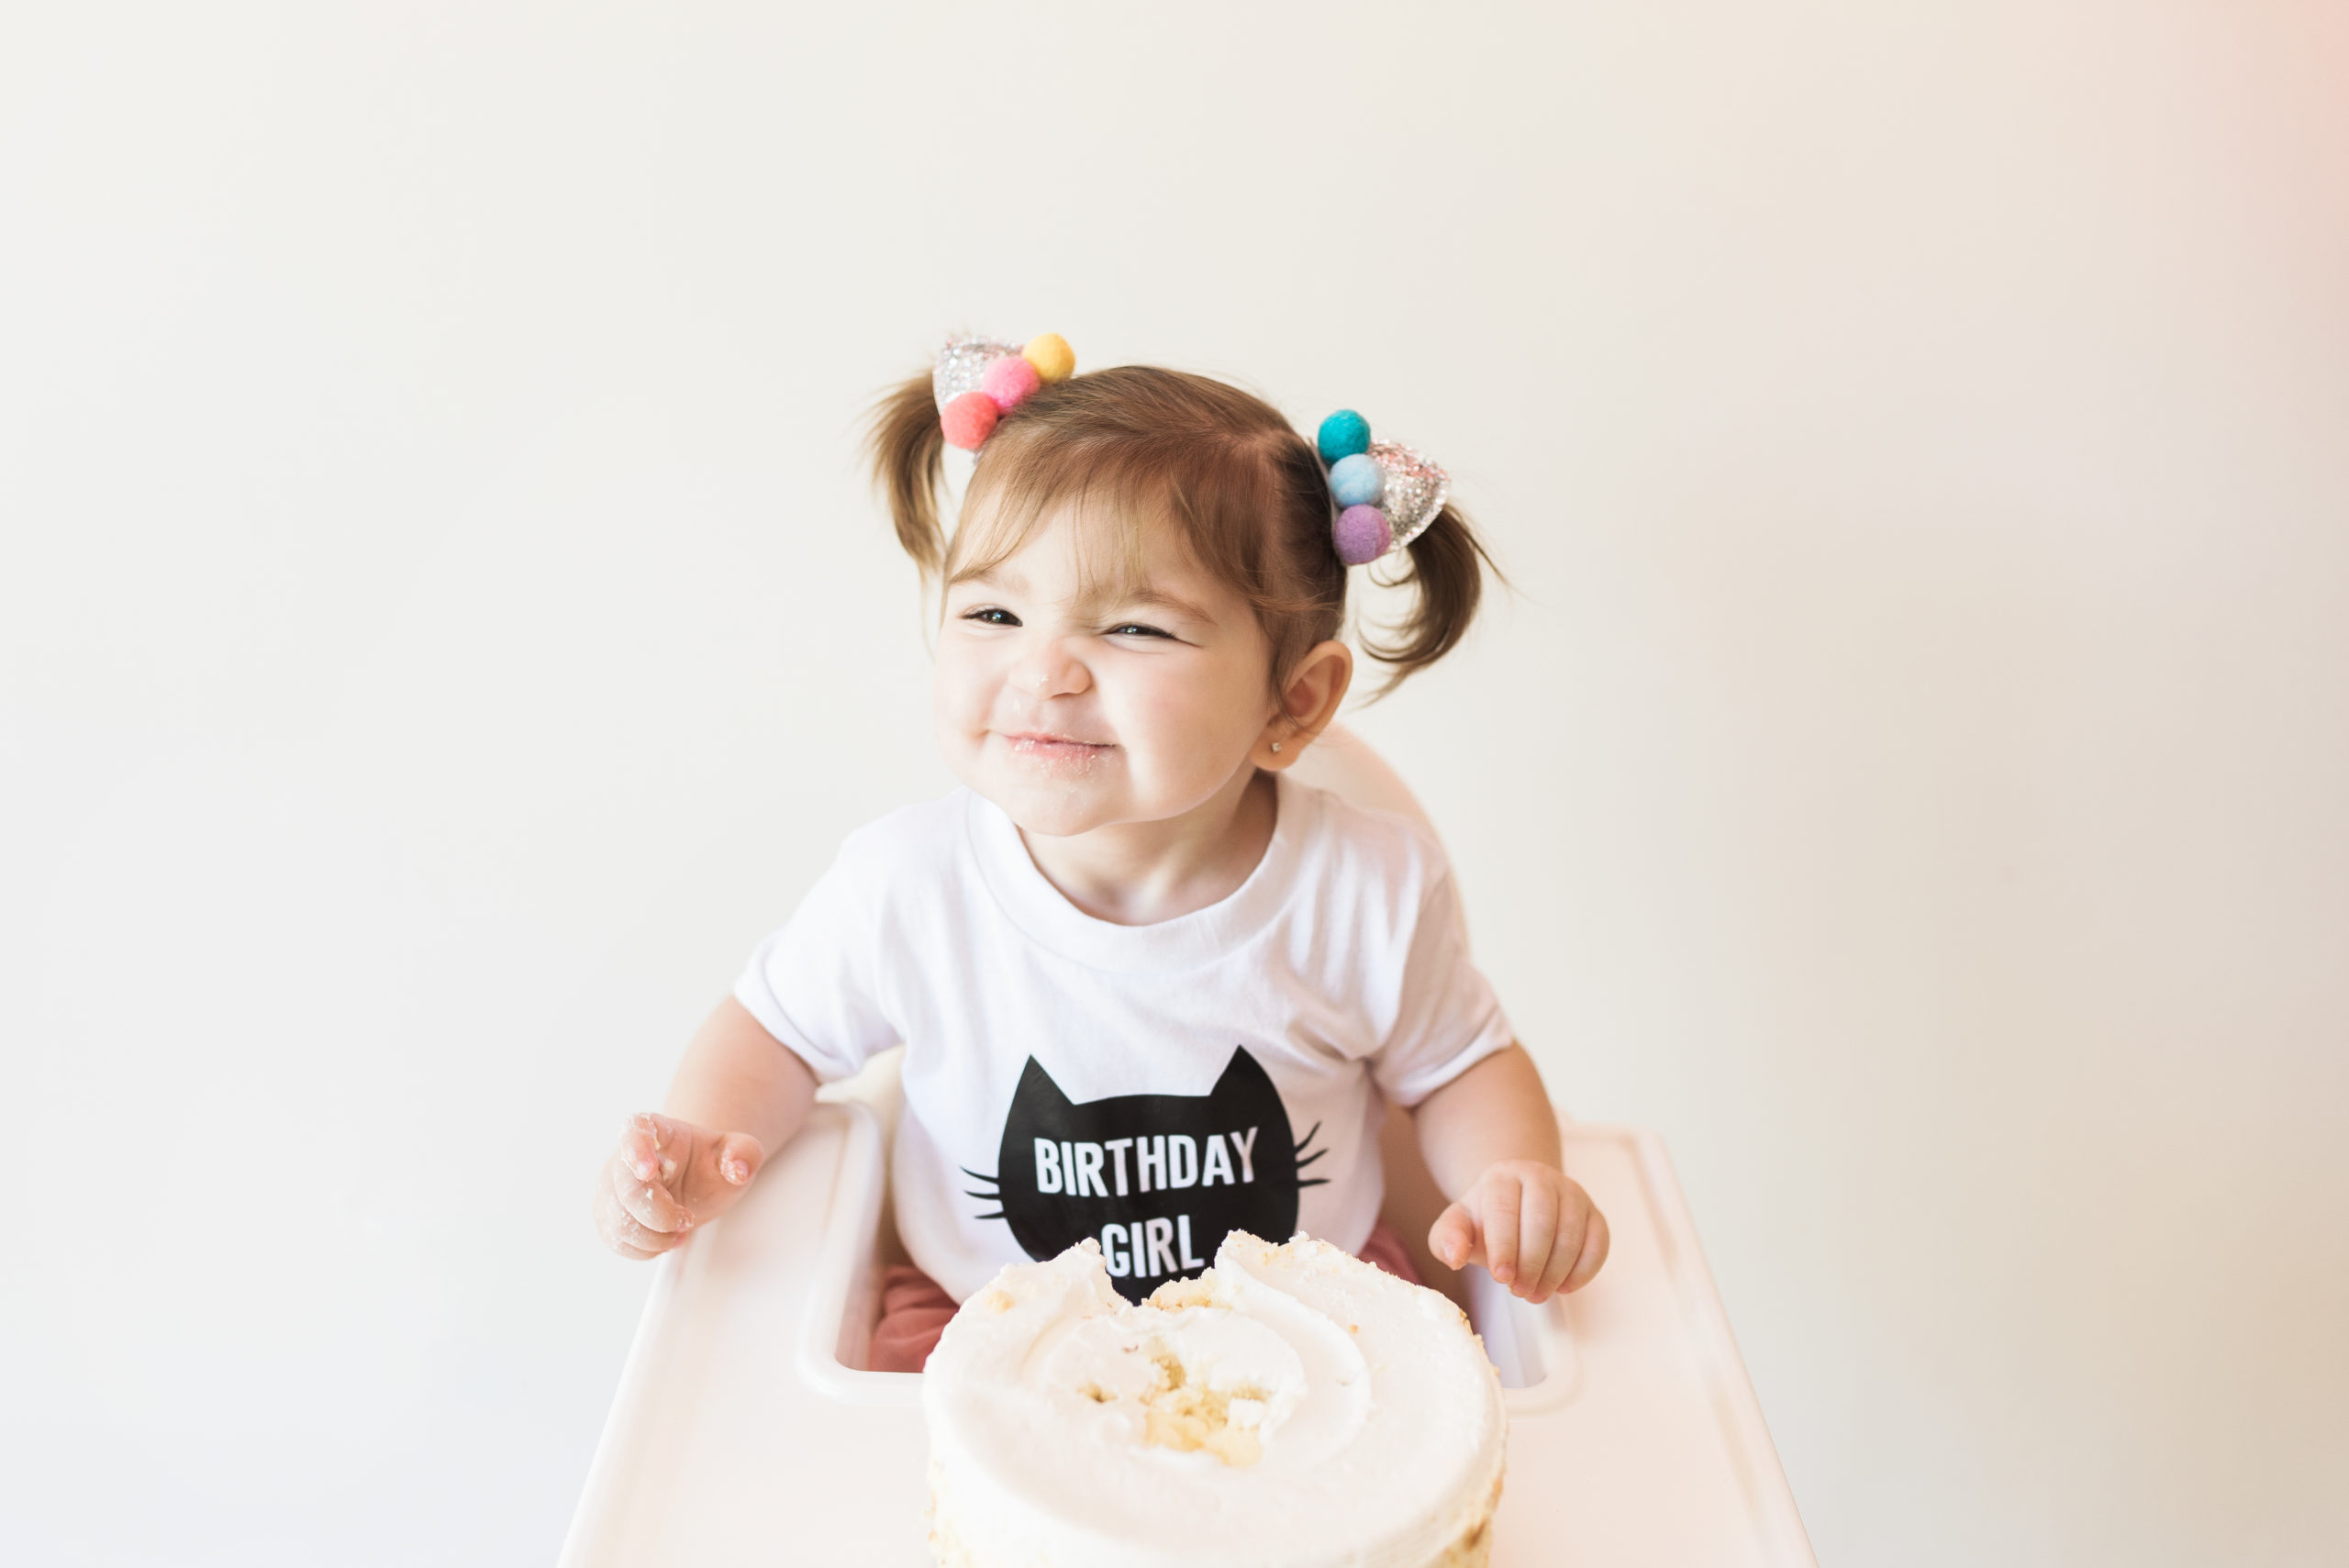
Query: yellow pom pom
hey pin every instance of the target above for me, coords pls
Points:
(1052, 356)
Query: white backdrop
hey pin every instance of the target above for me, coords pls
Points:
(443, 625)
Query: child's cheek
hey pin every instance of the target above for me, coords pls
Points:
(958, 692)
(1178, 730)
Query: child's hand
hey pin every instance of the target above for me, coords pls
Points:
(1530, 1225)
(666, 1177)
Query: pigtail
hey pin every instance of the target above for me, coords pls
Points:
(1448, 566)
(909, 450)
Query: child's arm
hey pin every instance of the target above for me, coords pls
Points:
(671, 1172)
(1491, 1142)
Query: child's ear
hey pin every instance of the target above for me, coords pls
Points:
(1310, 701)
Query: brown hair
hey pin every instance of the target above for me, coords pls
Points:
(1247, 493)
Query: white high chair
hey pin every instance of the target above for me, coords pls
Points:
(746, 1429)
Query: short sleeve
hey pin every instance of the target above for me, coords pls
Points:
(1449, 1017)
(814, 984)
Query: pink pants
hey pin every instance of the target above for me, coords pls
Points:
(915, 1308)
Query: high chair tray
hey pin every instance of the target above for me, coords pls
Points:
(743, 1433)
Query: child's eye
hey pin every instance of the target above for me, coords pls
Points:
(1135, 628)
(991, 616)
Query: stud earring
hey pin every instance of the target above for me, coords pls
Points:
(1276, 745)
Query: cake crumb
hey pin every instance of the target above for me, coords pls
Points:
(1190, 1418)
(1179, 1293)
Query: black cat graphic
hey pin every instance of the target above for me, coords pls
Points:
(1156, 1179)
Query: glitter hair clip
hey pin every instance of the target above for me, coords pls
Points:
(978, 381)
(1386, 495)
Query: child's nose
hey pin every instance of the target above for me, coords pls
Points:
(1052, 671)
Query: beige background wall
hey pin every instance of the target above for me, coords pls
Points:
(441, 626)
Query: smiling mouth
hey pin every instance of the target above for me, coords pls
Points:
(1056, 748)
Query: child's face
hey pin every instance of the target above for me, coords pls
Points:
(1077, 704)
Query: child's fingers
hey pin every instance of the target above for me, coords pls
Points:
(631, 1238)
(1595, 1241)
(648, 1144)
(1537, 1236)
(1503, 1198)
(622, 1231)
(739, 1155)
(650, 1203)
(1573, 1226)
(1453, 1237)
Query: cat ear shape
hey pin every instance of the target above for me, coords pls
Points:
(963, 365)
(1036, 1087)
(1244, 1077)
(1415, 490)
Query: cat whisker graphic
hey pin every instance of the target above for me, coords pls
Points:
(991, 1196)
(1304, 1159)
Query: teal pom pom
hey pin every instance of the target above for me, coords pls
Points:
(1344, 434)
(1358, 481)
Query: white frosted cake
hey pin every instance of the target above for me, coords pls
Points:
(1291, 1406)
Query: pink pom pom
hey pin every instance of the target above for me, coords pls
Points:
(969, 420)
(1361, 535)
(1010, 381)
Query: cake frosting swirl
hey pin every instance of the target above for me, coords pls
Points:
(1292, 1405)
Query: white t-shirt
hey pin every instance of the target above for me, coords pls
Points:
(1152, 1087)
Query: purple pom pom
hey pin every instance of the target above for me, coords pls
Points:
(1361, 535)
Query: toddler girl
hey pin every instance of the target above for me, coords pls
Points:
(1150, 988)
